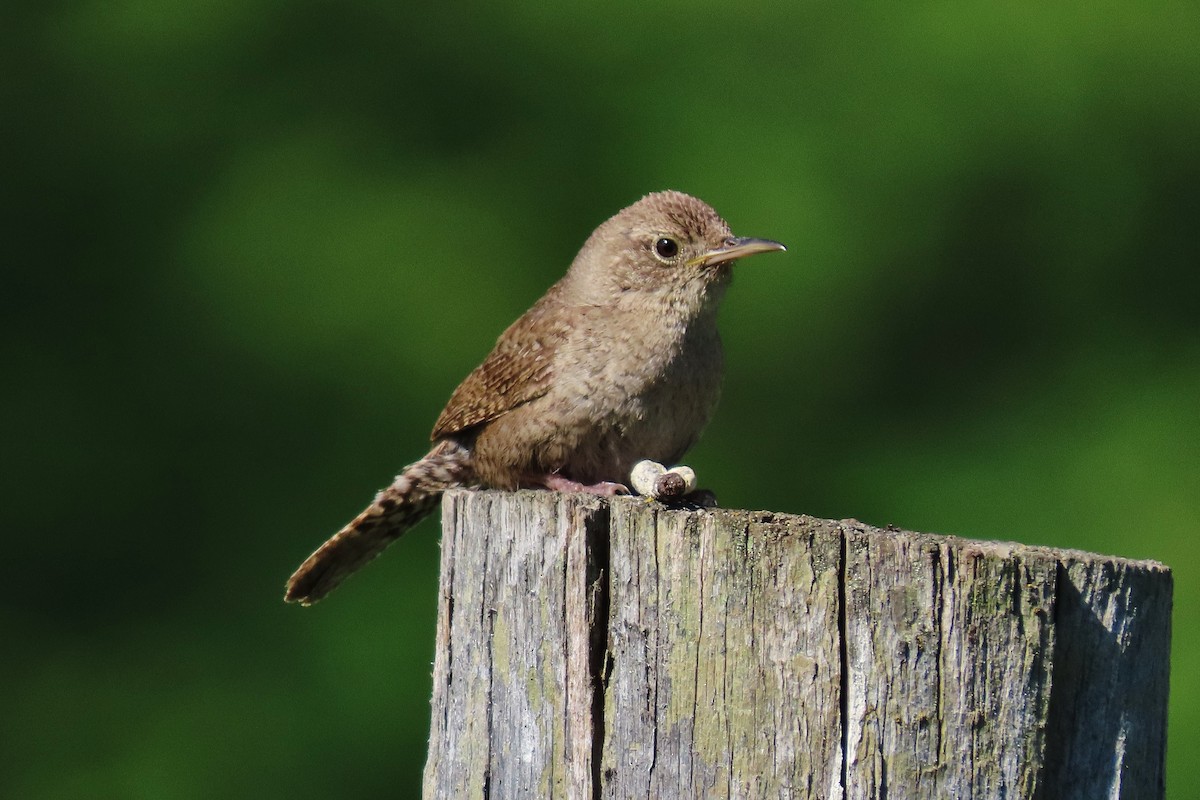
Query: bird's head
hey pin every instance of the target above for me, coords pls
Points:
(669, 245)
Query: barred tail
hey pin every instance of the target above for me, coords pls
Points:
(411, 497)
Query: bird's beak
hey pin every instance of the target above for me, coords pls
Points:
(734, 248)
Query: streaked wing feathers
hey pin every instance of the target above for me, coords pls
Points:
(517, 370)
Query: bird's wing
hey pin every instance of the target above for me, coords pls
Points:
(517, 370)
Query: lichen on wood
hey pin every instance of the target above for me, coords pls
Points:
(597, 648)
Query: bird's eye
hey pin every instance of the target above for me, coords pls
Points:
(666, 248)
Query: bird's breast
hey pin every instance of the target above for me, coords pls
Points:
(634, 391)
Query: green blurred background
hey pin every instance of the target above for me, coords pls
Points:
(255, 245)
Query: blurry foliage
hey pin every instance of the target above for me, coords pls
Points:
(255, 245)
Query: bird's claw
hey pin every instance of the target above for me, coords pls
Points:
(558, 483)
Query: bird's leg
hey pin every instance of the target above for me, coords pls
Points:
(558, 483)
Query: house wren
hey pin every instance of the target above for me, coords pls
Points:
(620, 361)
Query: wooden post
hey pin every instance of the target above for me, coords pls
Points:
(593, 648)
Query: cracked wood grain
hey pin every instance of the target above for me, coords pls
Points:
(513, 690)
(592, 648)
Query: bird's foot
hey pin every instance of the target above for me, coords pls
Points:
(558, 483)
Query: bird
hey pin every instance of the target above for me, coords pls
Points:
(620, 361)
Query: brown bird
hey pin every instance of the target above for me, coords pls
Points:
(620, 361)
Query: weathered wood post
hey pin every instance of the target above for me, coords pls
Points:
(591, 648)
